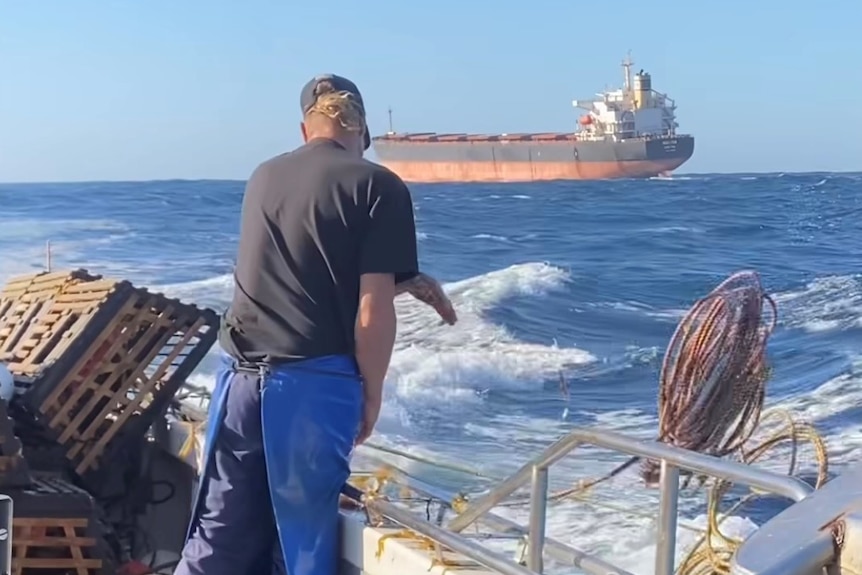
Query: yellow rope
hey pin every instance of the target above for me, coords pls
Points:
(372, 487)
(712, 553)
(192, 444)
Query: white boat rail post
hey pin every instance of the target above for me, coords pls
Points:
(538, 512)
(672, 460)
(668, 515)
(5, 534)
(48, 256)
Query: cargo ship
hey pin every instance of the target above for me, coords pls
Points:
(624, 133)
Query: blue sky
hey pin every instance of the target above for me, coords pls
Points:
(153, 89)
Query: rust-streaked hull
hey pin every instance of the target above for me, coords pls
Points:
(430, 172)
(528, 157)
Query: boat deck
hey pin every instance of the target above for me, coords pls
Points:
(402, 542)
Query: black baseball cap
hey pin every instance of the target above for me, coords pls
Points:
(309, 95)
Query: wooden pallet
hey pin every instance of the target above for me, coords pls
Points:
(53, 529)
(103, 357)
(58, 545)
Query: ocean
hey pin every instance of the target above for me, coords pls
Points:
(583, 279)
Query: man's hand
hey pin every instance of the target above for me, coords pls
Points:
(428, 290)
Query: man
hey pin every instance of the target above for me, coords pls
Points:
(327, 240)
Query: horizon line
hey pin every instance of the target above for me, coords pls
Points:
(162, 180)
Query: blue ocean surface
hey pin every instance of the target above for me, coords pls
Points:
(581, 279)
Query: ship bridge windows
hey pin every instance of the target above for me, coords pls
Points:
(620, 129)
(627, 127)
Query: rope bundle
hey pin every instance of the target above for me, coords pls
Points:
(713, 377)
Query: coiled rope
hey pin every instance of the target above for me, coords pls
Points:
(713, 378)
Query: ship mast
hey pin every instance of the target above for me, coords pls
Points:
(627, 74)
(391, 130)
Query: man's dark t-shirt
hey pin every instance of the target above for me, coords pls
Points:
(313, 221)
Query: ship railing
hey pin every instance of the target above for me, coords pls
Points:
(672, 460)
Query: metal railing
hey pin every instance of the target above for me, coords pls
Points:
(672, 460)
(560, 551)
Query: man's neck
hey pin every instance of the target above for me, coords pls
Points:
(328, 138)
(324, 140)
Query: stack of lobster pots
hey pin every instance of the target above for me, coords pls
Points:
(88, 365)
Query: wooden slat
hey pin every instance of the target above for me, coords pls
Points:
(143, 391)
(25, 563)
(49, 521)
(45, 541)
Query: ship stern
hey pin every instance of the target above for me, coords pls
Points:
(669, 153)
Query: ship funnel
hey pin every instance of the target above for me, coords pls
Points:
(643, 81)
(642, 90)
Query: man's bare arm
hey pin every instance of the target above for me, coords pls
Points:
(374, 332)
(429, 291)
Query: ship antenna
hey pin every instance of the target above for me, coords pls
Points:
(391, 131)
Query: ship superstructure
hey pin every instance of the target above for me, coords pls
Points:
(635, 110)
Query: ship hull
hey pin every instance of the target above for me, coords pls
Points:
(526, 161)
